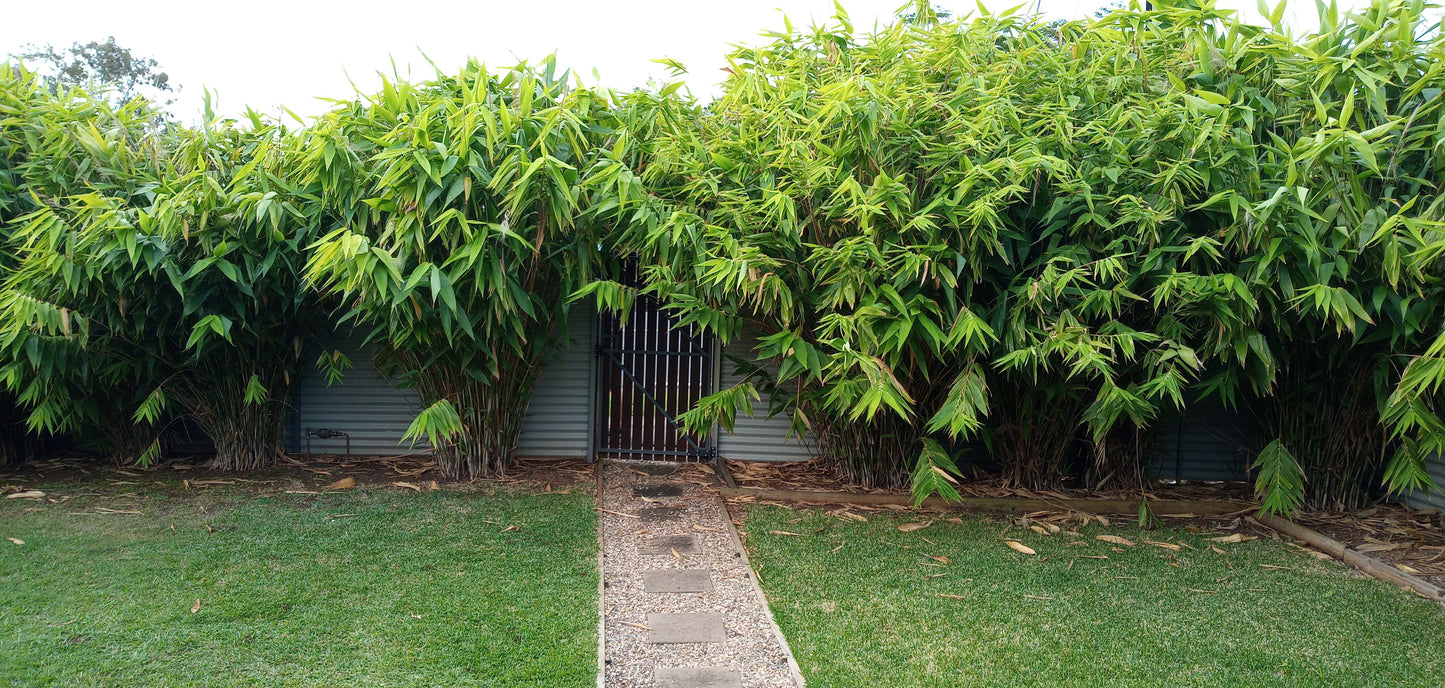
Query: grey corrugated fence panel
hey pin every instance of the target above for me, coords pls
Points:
(1205, 442)
(1436, 499)
(757, 437)
(364, 403)
(559, 417)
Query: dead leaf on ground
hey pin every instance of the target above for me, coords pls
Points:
(28, 494)
(939, 559)
(1166, 545)
(408, 486)
(1231, 539)
(1377, 547)
(916, 525)
(1020, 547)
(197, 606)
(342, 484)
(1407, 569)
(17, 541)
(784, 532)
(509, 528)
(1040, 530)
(1116, 540)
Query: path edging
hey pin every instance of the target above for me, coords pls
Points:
(601, 589)
(752, 575)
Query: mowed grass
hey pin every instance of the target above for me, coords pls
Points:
(868, 615)
(356, 588)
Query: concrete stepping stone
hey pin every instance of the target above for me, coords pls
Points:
(658, 514)
(662, 582)
(657, 491)
(658, 468)
(686, 628)
(664, 544)
(698, 677)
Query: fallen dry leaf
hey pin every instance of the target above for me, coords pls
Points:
(1407, 569)
(704, 529)
(1020, 547)
(1166, 545)
(408, 486)
(342, 484)
(197, 606)
(916, 525)
(952, 597)
(433, 485)
(28, 494)
(17, 541)
(1216, 550)
(1231, 539)
(1115, 540)
(784, 532)
(941, 560)
(1377, 547)
(1040, 530)
(509, 528)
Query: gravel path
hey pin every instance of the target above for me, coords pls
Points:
(751, 645)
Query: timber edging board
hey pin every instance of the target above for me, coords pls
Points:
(1366, 564)
(1087, 506)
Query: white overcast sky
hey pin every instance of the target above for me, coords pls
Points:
(266, 53)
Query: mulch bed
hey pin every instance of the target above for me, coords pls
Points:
(1411, 540)
(299, 473)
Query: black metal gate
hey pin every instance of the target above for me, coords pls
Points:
(649, 372)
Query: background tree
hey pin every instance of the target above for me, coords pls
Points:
(101, 66)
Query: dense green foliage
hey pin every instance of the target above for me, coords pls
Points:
(158, 266)
(1049, 236)
(864, 605)
(386, 589)
(452, 209)
(983, 239)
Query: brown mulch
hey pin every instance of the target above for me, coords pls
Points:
(821, 475)
(298, 473)
(1408, 539)
(1412, 540)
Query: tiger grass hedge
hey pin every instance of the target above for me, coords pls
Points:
(1048, 235)
(158, 269)
(990, 234)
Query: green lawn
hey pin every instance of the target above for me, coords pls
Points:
(356, 588)
(867, 615)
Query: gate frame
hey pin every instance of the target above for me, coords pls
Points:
(709, 454)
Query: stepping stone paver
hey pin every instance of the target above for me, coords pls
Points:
(677, 581)
(658, 514)
(664, 544)
(657, 491)
(658, 468)
(698, 677)
(686, 628)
